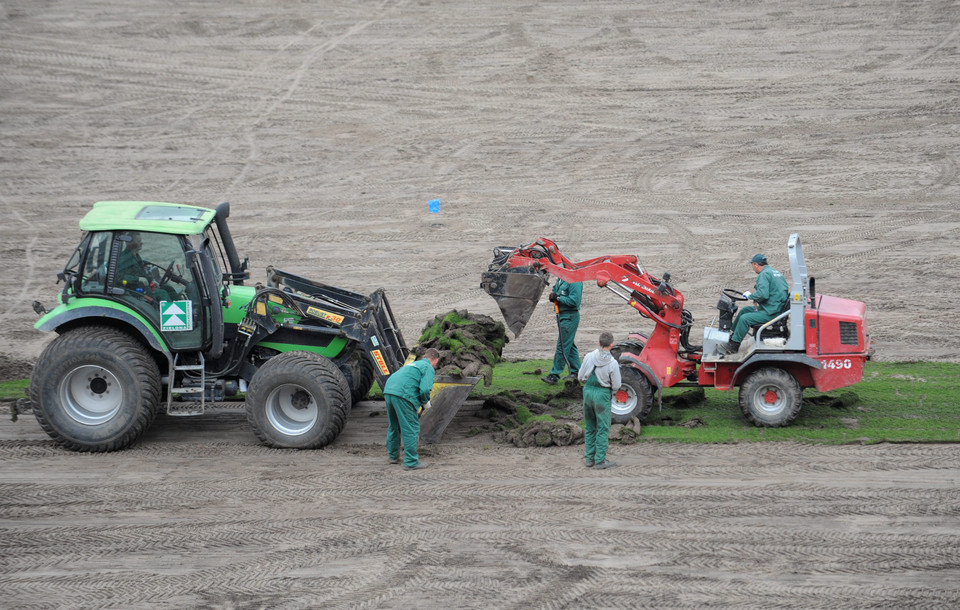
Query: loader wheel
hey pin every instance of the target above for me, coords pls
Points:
(770, 397)
(634, 399)
(359, 374)
(95, 389)
(298, 400)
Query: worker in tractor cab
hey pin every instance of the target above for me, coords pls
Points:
(405, 390)
(566, 303)
(133, 271)
(770, 294)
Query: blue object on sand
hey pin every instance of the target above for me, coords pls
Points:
(434, 206)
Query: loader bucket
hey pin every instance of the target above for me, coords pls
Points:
(447, 396)
(516, 292)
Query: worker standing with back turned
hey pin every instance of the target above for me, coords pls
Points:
(405, 390)
(566, 303)
(600, 375)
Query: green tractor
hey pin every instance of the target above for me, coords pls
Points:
(154, 314)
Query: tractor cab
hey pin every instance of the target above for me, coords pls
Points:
(157, 263)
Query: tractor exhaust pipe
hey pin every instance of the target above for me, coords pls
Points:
(238, 270)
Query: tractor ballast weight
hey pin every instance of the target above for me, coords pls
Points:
(154, 311)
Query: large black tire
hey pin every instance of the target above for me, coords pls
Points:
(95, 389)
(770, 397)
(298, 400)
(359, 374)
(635, 398)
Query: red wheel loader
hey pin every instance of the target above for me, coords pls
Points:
(817, 341)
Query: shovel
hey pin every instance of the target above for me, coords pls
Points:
(448, 395)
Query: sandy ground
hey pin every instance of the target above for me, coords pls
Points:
(693, 134)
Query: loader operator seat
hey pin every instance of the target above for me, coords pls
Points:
(780, 328)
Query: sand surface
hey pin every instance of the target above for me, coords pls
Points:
(692, 134)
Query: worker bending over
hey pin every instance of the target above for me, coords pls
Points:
(405, 390)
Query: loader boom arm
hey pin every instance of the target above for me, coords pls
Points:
(652, 297)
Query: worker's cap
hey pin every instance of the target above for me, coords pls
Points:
(759, 259)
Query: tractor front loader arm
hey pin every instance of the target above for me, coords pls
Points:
(366, 320)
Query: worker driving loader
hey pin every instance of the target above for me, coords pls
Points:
(770, 294)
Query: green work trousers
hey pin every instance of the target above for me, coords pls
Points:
(403, 423)
(566, 354)
(596, 415)
(747, 318)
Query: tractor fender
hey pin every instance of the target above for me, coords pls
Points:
(67, 315)
(758, 359)
(632, 360)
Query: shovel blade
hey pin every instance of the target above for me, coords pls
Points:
(447, 396)
(516, 292)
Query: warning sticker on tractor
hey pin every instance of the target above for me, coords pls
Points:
(380, 362)
(324, 315)
(176, 316)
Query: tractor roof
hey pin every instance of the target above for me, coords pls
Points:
(151, 216)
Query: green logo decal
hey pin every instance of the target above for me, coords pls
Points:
(176, 315)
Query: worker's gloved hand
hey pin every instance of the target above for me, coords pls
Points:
(553, 297)
(746, 295)
(429, 405)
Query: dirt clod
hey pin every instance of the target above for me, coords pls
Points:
(469, 344)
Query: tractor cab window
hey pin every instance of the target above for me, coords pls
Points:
(153, 277)
(96, 251)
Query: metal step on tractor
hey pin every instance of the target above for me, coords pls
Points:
(817, 341)
(154, 314)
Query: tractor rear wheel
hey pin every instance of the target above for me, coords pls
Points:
(634, 399)
(770, 397)
(298, 400)
(95, 389)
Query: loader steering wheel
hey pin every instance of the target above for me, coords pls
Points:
(736, 295)
(169, 275)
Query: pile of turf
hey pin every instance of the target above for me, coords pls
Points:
(469, 344)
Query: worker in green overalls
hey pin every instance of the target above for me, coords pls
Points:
(770, 294)
(566, 303)
(405, 390)
(600, 375)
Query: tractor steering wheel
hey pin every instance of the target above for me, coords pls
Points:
(736, 295)
(169, 275)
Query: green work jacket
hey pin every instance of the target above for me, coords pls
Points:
(412, 382)
(568, 295)
(770, 291)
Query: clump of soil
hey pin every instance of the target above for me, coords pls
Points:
(843, 400)
(625, 434)
(545, 433)
(14, 370)
(469, 344)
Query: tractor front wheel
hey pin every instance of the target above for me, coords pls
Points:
(298, 400)
(770, 397)
(95, 389)
(634, 399)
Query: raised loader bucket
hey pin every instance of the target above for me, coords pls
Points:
(448, 395)
(516, 292)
